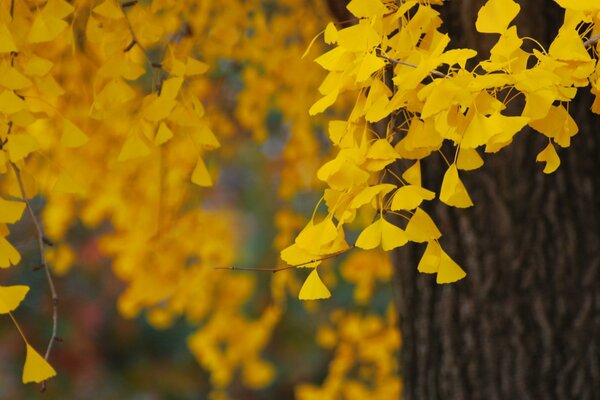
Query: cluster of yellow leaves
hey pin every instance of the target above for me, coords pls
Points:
(396, 62)
(364, 364)
(102, 106)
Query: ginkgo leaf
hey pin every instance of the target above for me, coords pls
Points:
(367, 194)
(12, 79)
(366, 8)
(7, 43)
(37, 66)
(66, 184)
(194, 67)
(8, 254)
(558, 125)
(10, 211)
(58, 8)
(413, 174)
(45, 28)
(11, 297)
(36, 368)
(331, 33)
(294, 255)
(21, 145)
(550, 157)
(134, 147)
(370, 237)
(381, 232)
(430, 260)
(569, 46)
(200, 176)
(314, 288)
(314, 236)
(205, 138)
(496, 15)
(421, 227)
(163, 134)
(468, 159)
(170, 87)
(409, 197)
(449, 271)
(109, 9)
(10, 103)
(453, 191)
(392, 236)
(369, 64)
(72, 136)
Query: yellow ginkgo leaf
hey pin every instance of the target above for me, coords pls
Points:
(8, 254)
(409, 197)
(21, 145)
(195, 67)
(370, 63)
(72, 136)
(496, 15)
(10, 211)
(36, 368)
(569, 46)
(370, 237)
(381, 232)
(134, 147)
(453, 191)
(12, 79)
(204, 137)
(45, 28)
(11, 297)
(200, 176)
(449, 271)
(37, 66)
(66, 184)
(7, 44)
(366, 8)
(331, 33)
(392, 236)
(421, 227)
(430, 261)
(10, 103)
(314, 236)
(109, 9)
(367, 194)
(413, 174)
(294, 255)
(550, 157)
(314, 288)
(468, 159)
(163, 134)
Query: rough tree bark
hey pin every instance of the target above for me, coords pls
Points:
(525, 323)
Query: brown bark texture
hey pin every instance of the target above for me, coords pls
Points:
(525, 322)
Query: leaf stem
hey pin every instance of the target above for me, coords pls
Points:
(273, 270)
(42, 240)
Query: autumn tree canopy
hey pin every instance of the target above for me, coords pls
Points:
(145, 123)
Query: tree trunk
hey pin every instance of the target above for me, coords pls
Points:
(525, 322)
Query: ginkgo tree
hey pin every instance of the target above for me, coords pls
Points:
(122, 112)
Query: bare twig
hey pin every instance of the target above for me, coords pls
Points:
(393, 60)
(273, 270)
(42, 240)
(591, 41)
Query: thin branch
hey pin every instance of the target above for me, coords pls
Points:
(393, 60)
(42, 240)
(273, 270)
(591, 41)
